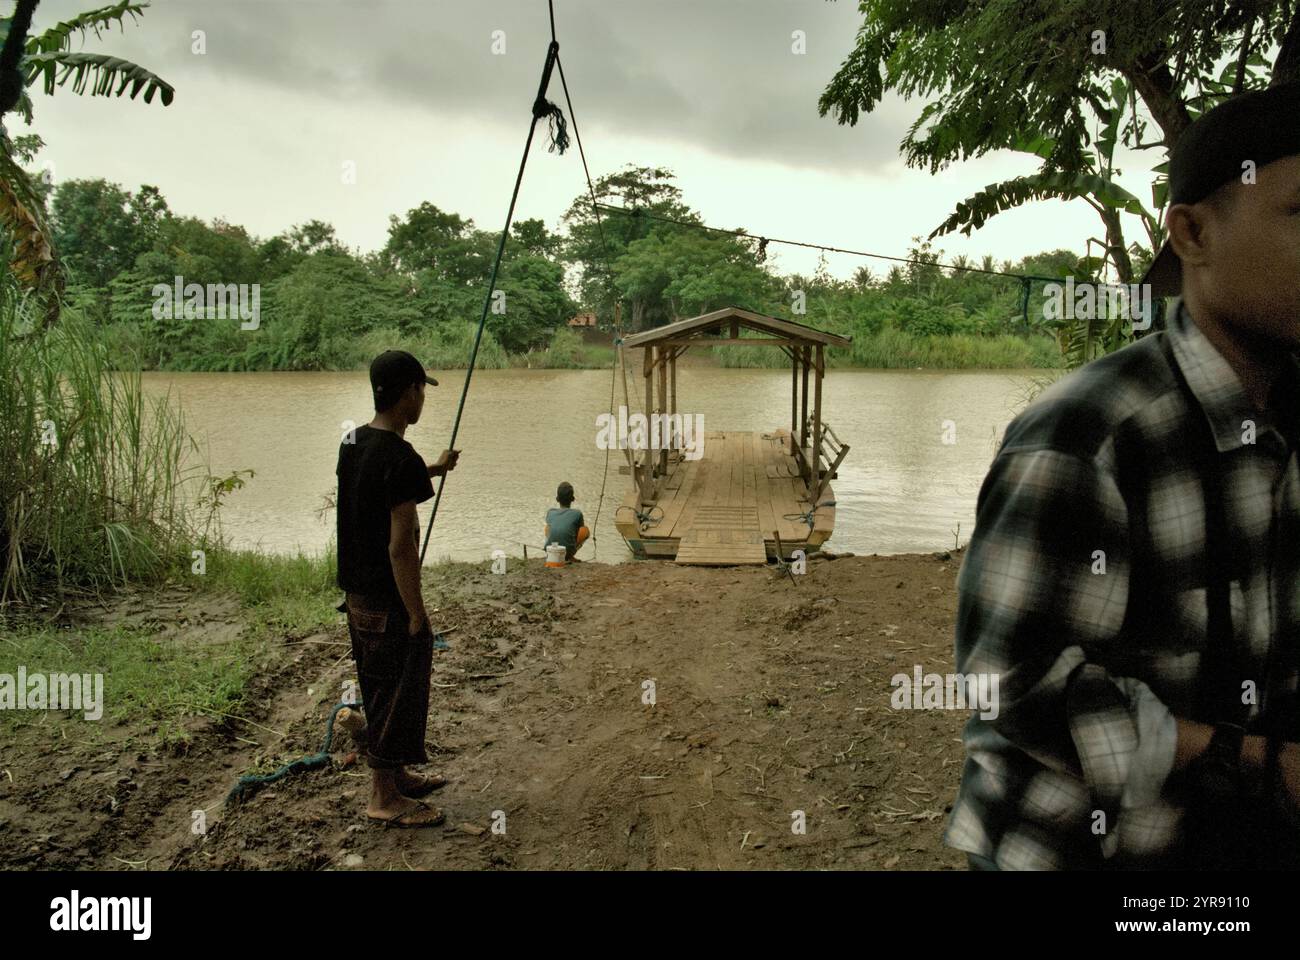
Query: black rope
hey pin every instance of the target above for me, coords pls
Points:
(559, 140)
(600, 230)
(544, 108)
(764, 241)
(644, 520)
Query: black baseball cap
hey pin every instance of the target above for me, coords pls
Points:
(1260, 126)
(392, 372)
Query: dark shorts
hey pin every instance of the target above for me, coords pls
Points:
(393, 669)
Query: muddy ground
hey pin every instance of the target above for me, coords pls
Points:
(771, 697)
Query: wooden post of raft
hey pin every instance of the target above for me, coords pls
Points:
(647, 369)
(629, 453)
(805, 356)
(814, 487)
(663, 407)
(794, 393)
(672, 374)
(673, 354)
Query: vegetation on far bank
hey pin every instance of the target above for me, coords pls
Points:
(892, 349)
(145, 278)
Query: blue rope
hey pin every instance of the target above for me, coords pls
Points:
(250, 783)
(808, 517)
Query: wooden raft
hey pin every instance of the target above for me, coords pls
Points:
(752, 496)
(723, 509)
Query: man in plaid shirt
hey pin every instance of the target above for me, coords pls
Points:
(1084, 588)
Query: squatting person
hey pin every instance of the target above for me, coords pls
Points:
(381, 478)
(566, 525)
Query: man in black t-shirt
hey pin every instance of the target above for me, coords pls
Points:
(381, 479)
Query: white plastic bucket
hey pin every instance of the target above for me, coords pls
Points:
(555, 554)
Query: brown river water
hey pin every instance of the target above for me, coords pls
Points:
(902, 488)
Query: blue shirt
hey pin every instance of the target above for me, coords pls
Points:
(564, 523)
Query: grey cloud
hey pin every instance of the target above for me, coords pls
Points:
(716, 73)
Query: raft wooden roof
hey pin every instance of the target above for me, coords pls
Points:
(695, 329)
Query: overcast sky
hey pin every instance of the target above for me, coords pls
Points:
(410, 91)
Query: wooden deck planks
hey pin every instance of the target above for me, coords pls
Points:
(723, 535)
(680, 486)
(767, 515)
(723, 507)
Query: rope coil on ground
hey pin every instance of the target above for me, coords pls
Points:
(250, 783)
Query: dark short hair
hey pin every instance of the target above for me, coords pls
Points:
(391, 373)
(388, 401)
(564, 493)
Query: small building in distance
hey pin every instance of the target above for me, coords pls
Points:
(583, 320)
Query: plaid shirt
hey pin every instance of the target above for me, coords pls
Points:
(1095, 662)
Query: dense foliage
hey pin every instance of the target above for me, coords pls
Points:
(322, 306)
(1065, 82)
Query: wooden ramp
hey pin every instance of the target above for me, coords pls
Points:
(722, 535)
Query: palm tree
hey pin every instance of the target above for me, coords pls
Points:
(48, 58)
(1094, 184)
(1081, 339)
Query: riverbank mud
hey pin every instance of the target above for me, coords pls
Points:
(633, 716)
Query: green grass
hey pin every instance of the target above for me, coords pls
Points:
(147, 678)
(92, 487)
(443, 348)
(281, 595)
(164, 680)
(895, 350)
(567, 351)
(94, 497)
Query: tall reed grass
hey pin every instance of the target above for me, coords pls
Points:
(93, 490)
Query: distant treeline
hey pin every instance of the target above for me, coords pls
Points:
(139, 274)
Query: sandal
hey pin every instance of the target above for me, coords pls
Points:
(423, 786)
(422, 815)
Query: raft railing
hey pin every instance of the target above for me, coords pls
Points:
(819, 471)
